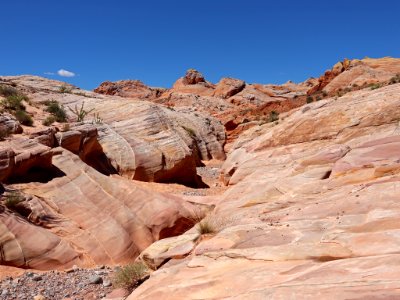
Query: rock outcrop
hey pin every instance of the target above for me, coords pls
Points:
(312, 209)
(9, 125)
(20, 156)
(85, 218)
(129, 89)
(350, 74)
(142, 140)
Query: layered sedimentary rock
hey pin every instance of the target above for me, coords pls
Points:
(80, 216)
(239, 105)
(129, 88)
(9, 125)
(312, 209)
(350, 74)
(143, 141)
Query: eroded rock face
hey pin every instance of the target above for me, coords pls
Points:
(355, 73)
(236, 104)
(9, 125)
(85, 218)
(228, 87)
(142, 140)
(312, 209)
(193, 77)
(129, 89)
(20, 158)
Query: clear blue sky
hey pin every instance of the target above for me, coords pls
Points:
(156, 41)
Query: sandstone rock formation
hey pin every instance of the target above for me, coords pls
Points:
(349, 74)
(130, 89)
(312, 209)
(83, 217)
(236, 104)
(9, 125)
(143, 141)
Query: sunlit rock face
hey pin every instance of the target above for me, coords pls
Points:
(312, 209)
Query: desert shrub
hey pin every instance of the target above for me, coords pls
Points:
(206, 226)
(80, 113)
(318, 98)
(324, 94)
(12, 199)
(57, 111)
(6, 90)
(14, 102)
(309, 99)
(210, 223)
(395, 79)
(49, 120)
(97, 119)
(65, 89)
(273, 116)
(130, 276)
(355, 85)
(80, 94)
(375, 86)
(23, 117)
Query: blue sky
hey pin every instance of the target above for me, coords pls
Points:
(156, 41)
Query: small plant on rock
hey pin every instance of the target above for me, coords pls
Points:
(273, 116)
(49, 120)
(375, 86)
(130, 276)
(23, 117)
(57, 111)
(395, 79)
(80, 113)
(97, 119)
(309, 99)
(13, 199)
(65, 89)
(6, 90)
(14, 102)
(206, 226)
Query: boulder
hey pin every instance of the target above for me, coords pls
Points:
(9, 124)
(228, 87)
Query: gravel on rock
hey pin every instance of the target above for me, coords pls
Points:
(75, 284)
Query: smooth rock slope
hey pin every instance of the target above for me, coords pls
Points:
(312, 211)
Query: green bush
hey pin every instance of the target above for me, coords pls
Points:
(65, 89)
(23, 117)
(14, 102)
(6, 90)
(130, 276)
(57, 111)
(13, 199)
(49, 120)
(80, 113)
(395, 79)
(273, 116)
(375, 86)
